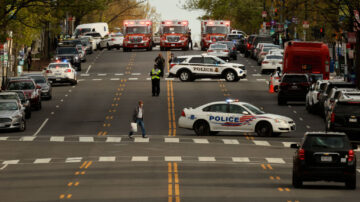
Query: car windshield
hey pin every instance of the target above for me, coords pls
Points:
(8, 106)
(21, 85)
(174, 29)
(325, 142)
(58, 65)
(218, 46)
(216, 30)
(274, 57)
(253, 109)
(137, 30)
(8, 97)
(66, 50)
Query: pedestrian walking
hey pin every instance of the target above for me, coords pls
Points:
(29, 60)
(160, 62)
(138, 119)
(155, 80)
(190, 40)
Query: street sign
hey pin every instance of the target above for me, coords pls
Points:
(306, 25)
(264, 14)
(352, 37)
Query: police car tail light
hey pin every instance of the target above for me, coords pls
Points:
(112, 39)
(171, 65)
(67, 70)
(302, 154)
(226, 51)
(332, 118)
(265, 62)
(351, 155)
(48, 71)
(183, 113)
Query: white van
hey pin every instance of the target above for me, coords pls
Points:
(101, 27)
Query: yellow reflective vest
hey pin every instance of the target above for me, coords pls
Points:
(155, 73)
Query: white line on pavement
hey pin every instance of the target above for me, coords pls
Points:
(358, 170)
(140, 139)
(3, 138)
(101, 74)
(172, 140)
(119, 74)
(86, 139)
(261, 143)
(260, 79)
(44, 160)
(113, 139)
(288, 144)
(135, 74)
(132, 79)
(240, 159)
(140, 158)
(87, 71)
(230, 141)
(57, 139)
(4, 166)
(256, 74)
(84, 74)
(206, 159)
(107, 158)
(173, 158)
(97, 79)
(301, 119)
(115, 79)
(294, 111)
(73, 160)
(275, 160)
(201, 141)
(41, 127)
(148, 79)
(11, 162)
(308, 127)
(169, 79)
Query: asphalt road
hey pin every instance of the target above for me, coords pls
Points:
(76, 148)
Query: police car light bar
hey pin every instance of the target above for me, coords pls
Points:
(232, 100)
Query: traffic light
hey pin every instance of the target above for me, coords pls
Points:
(322, 32)
(276, 11)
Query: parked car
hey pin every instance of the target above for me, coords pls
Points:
(91, 41)
(232, 49)
(96, 38)
(312, 97)
(264, 51)
(87, 44)
(28, 85)
(43, 82)
(249, 45)
(12, 115)
(271, 63)
(334, 93)
(219, 50)
(82, 53)
(293, 87)
(259, 39)
(235, 38)
(324, 156)
(25, 102)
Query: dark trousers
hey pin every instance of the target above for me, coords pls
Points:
(155, 83)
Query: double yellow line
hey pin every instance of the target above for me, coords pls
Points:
(173, 182)
(171, 102)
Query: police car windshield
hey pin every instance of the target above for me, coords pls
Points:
(67, 50)
(174, 29)
(137, 30)
(58, 65)
(216, 30)
(253, 109)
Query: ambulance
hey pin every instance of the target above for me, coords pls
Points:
(174, 34)
(138, 35)
(213, 31)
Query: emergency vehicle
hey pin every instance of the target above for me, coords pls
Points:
(174, 34)
(213, 31)
(138, 35)
(307, 57)
(61, 72)
(233, 116)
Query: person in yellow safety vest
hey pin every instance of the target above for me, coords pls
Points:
(155, 80)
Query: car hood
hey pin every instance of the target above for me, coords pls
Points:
(276, 116)
(7, 113)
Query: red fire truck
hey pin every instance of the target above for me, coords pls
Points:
(174, 34)
(213, 31)
(138, 35)
(307, 57)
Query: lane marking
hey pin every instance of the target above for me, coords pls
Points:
(294, 111)
(57, 139)
(140, 158)
(73, 160)
(88, 164)
(288, 144)
(201, 141)
(275, 160)
(206, 159)
(86, 139)
(114, 79)
(261, 143)
(261, 80)
(3, 167)
(3, 138)
(173, 158)
(256, 75)
(308, 127)
(113, 139)
(172, 140)
(169, 79)
(135, 74)
(358, 170)
(41, 161)
(85, 74)
(230, 141)
(140, 139)
(97, 79)
(41, 127)
(119, 74)
(10, 162)
(301, 119)
(107, 158)
(241, 159)
(101, 74)
(132, 79)
(27, 138)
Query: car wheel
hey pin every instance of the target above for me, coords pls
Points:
(185, 75)
(230, 76)
(264, 129)
(351, 183)
(296, 181)
(22, 125)
(108, 47)
(201, 128)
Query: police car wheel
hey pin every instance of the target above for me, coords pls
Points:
(264, 129)
(185, 75)
(202, 128)
(230, 76)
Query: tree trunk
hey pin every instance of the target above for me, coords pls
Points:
(357, 59)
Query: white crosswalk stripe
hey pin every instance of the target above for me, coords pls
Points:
(201, 141)
(135, 74)
(57, 139)
(140, 158)
(230, 141)
(107, 158)
(9, 162)
(288, 144)
(86, 139)
(358, 170)
(261, 143)
(169, 79)
(97, 79)
(275, 160)
(132, 79)
(44, 160)
(113, 139)
(114, 79)
(240, 159)
(140, 139)
(119, 74)
(101, 74)
(27, 138)
(84, 74)
(172, 140)
(261, 80)
(206, 159)
(173, 158)
(3, 138)
(73, 160)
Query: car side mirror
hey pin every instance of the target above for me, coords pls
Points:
(354, 146)
(245, 113)
(294, 146)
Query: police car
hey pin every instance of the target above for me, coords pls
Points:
(234, 116)
(207, 66)
(61, 72)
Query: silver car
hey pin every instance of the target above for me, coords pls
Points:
(219, 50)
(12, 115)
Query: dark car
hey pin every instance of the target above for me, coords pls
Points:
(344, 114)
(31, 90)
(232, 48)
(235, 38)
(69, 54)
(242, 45)
(41, 80)
(324, 156)
(293, 87)
(330, 85)
(259, 39)
(249, 44)
(25, 102)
